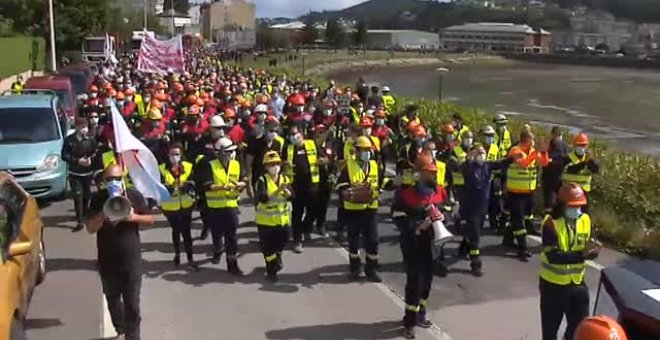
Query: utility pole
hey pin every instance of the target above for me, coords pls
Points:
(441, 72)
(51, 24)
(145, 15)
(172, 13)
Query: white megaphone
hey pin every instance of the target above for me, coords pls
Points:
(117, 207)
(440, 232)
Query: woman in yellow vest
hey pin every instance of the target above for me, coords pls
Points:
(273, 214)
(580, 165)
(175, 175)
(567, 244)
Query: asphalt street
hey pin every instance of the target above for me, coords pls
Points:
(313, 300)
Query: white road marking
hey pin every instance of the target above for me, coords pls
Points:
(589, 263)
(107, 328)
(435, 331)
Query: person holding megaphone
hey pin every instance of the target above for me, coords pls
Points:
(116, 214)
(417, 213)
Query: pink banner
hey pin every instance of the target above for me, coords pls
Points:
(159, 56)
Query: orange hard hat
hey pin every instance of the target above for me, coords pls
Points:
(192, 99)
(419, 131)
(93, 88)
(572, 195)
(112, 93)
(200, 102)
(121, 95)
(425, 162)
(178, 87)
(229, 113)
(262, 99)
(380, 114)
(246, 103)
(366, 122)
(581, 139)
(155, 103)
(107, 86)
(599, 327)
(447, 128)
(412, 125)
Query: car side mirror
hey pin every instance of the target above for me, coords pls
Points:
(20, 248)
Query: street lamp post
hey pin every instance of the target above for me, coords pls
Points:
(441, 75)
(51, 28)
(145, 14)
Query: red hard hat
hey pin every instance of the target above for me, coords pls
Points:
(229, 113)
(93, 88)
(447, 128)
(572, 195)
(366, 122)
(425, 162)
(599, 328)
(581, 139)
(319, 128)
(297, 99)
(419, 131)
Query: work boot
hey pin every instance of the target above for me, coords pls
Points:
(371, 271)
(232, 267)
(320, 230)
(193, 266)
(524, 255)
(354, 268)
(440, 269)
(463, 249)
(307, 237)
(177, 259)
(216, 258)
(409, 332)
(80, 226)
(271, 271)
(298, 248)
(279, 263)
(476, 268)
(423, 321)
(341, 236)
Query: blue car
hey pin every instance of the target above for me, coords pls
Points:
(32, 131)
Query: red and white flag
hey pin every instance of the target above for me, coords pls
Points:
(161, 56)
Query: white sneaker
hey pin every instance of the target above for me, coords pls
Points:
(298, 249)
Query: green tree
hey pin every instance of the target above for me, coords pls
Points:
(360, 34)
(181, 6)
(309, 33)
(75, 19)
(335, 35)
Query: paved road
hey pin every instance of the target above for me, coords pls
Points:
(314, 300)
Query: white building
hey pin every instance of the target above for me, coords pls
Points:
(175, 22)
(495, 37)
(401, 40)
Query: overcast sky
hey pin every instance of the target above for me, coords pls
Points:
(294, 8)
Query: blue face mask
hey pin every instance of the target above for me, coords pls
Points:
(489, 140)
(365, 156)
(580, 151)
(419, 142)
(573, 213)
(293, 139)
(449, 138)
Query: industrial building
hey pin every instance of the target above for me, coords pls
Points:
(401, 40)
(230, 23)
(495, 37)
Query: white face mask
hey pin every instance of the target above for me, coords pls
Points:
(273, 170)
(93, 94)
(481, 158)
(232, 155)
(327, 112)
(380, 121)
(175, 159)
(366, 132)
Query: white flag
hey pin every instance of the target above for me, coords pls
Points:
(140, 162)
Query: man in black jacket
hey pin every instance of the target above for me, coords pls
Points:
(80, 152)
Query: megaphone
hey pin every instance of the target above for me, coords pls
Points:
(441, 234)
(117, 208)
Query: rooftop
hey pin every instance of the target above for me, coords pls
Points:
(396, 31)
(502, 27)
(172, 13)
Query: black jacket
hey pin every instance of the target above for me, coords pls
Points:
(74, 149)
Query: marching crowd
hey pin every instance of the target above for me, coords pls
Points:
(219, 130)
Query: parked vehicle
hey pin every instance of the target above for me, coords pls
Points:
(99, 49)
(136, 40)
(32, 132)
(22, 255)
(62, 86)
(81, 77)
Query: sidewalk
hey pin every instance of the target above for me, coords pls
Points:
(313, 300)
(5, 84)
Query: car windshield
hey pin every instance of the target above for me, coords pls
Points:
(79, 81)
(27, 125)
(94, 45)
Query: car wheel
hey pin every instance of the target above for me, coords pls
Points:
(17, 331)
(41, 274)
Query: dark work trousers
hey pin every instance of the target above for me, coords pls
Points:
(472, 232)
(272, 241)
(305, 209)
(223, 223)
(81, 189)
(556, 301)
(585, 208)
(495, 207)
(520, 208)
(341, 219)
(418, 261)
(550, 189)
(181, 223)
(325, 190)
(121, 288)
(361, 228)
(462, 206)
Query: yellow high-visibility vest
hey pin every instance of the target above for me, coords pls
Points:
(567, 240)
(522, 180)
(457, 175)
(504, 142)
(583, 178)
(458, 134)
(224, 198)
(310, 150)
(349, 150)
(178, 200)
(280, 140)
(17, 88)
(139, 102)
(375, 142)
(357, 176)
(108, 158)
(276, 211)
(388, 103)
(441, 174)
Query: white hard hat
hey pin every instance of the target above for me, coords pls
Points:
(261, 108)
(217, 122)
(488, 130)
(224, 143)
(386, 89)
(500, 118)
